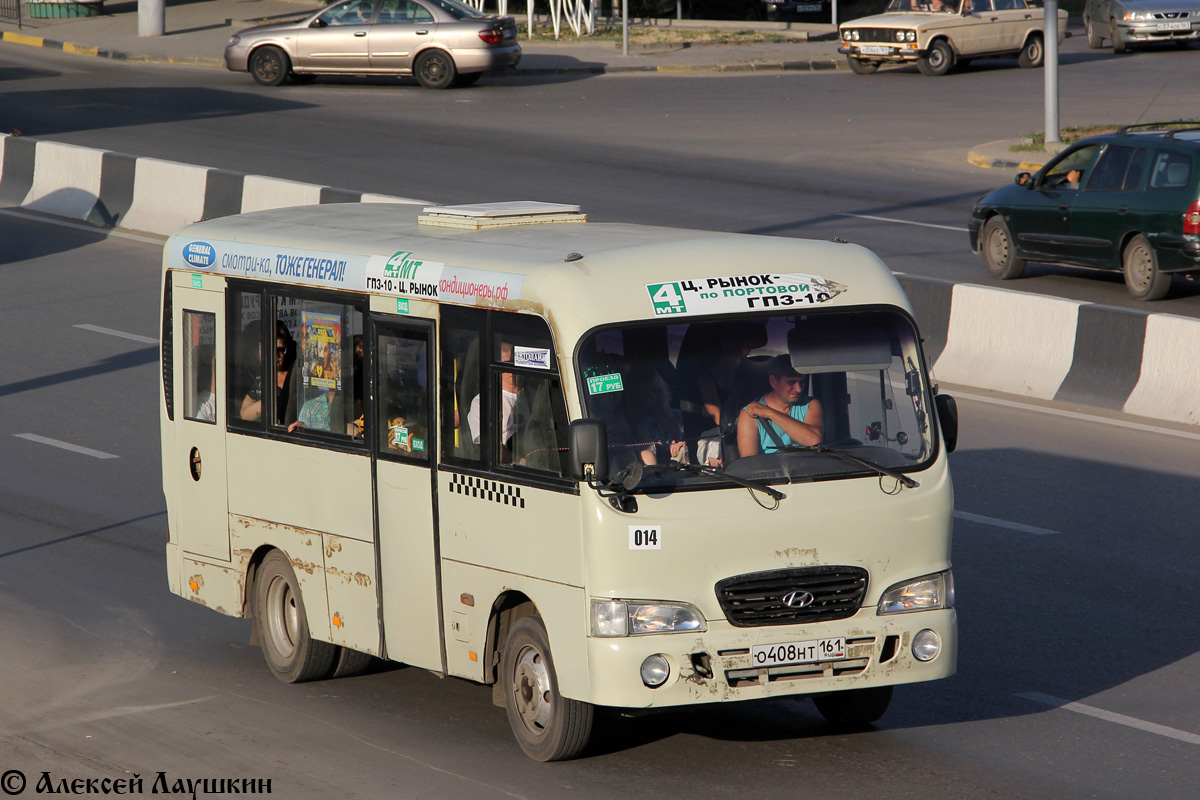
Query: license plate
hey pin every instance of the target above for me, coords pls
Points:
(1173, 26)
(875, 50)
(777, 655)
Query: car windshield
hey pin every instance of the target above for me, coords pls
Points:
(943, 6)
(699, 394)
(457, 10)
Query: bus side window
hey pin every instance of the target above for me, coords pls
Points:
(461, 334)
(539, 442)
(403, 381)
(244, 359)
(328, 358)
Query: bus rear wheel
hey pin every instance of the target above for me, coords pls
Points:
(291, 652)
(548, 726)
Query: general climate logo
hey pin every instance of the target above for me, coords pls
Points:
(199, 254)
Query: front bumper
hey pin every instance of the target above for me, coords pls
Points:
(716, 666)
(237, 58)
(896, 53)
(1148, 31)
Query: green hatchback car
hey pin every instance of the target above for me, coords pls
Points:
(1126, 201)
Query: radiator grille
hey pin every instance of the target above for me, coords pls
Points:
(757, 599)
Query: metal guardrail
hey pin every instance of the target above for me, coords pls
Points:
(10, 11)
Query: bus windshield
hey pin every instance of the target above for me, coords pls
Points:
(778, 399)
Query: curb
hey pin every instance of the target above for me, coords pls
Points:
(985, 162)
(810, 65)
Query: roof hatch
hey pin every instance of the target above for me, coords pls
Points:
(474, 216)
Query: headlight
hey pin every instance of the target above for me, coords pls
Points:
(906, 36)
(1137, 15)
(621, 618)
(233, 40)
(922, 594)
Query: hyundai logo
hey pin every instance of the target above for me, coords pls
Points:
(798, 599)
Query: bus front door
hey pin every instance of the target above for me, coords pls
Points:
(403, 450)
(202, 521)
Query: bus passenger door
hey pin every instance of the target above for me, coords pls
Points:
(202, 521)
(403, 450)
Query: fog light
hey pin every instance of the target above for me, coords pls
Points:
(655, 671)
(925, 647)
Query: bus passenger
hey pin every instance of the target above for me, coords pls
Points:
(783, 416)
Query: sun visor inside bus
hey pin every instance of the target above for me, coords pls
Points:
(823, 345)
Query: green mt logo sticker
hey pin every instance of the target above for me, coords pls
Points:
(401, 265)
(667, 298)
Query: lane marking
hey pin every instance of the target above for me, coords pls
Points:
(135, 337)
(1111, 716)
(79, 226)
(1075, 415)
(74, 448)
(906, 222)
(1001, 523)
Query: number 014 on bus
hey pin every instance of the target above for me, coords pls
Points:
(590, 465)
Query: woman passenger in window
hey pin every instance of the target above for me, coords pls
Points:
(285, 362)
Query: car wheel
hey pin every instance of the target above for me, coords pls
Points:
(854, 708)
(293, 655)
(351, 663)
(1142, 275)
(861, 67)
(999, 251)
(1094, 40)
(1118, 39)
(548, 726)
(269, 66)
(1032, 53)
(469, 79)
(435, 69)
(938, 60)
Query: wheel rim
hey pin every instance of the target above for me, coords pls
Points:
(531, 689)
(1140, 266)
(937, 58)
(283, 617)
(997, 247)
(267, 66)
(1035, 51)
(433, 68)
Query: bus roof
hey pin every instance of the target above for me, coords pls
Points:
(574, 273)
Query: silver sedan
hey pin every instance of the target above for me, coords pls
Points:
(1133, 22)
(442, 42)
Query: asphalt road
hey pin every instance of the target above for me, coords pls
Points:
(1075, 559)
(879, 160)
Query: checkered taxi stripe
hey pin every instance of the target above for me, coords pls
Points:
(493, 491)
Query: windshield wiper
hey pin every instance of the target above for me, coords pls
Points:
(846, 455)
(700, 469)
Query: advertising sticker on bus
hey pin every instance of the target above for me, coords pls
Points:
(740, 293)
(321, 342)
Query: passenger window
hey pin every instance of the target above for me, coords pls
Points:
(244, 361)
(403, 391)
(981, 6)
(1171, 171)
(418, 13)
(1137, 170)
(461, 379)
(199, 361)
(1109, 174)
(330, 393)
(1059, 174)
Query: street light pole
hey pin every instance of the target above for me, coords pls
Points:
(1050, 65)
(152, 17)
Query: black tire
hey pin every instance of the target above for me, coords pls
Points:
(349, 663)
(999, 250)
(1142, 276)
(860, 67)
(854, 708)
(548, 726)
(937, 61)
(1118, 40)
(467, 79)
(269, 66)
(1032, 54)
(1095, 41)
(291, 653)
(435, 69)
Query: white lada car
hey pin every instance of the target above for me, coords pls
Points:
(936, 35)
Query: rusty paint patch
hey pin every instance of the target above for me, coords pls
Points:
(801, 555)
(199, 600)
(304, 566)
(197, 579)
(332, 545)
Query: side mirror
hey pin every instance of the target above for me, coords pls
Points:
(1023, 178)
(317, 23)
(588, 447)
(947, 411)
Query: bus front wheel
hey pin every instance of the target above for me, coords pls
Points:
(548, 726)
(291, 652)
